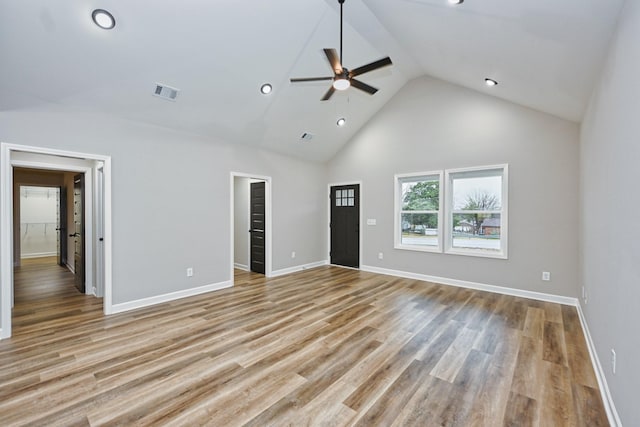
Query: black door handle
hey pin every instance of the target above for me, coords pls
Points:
(74, 235)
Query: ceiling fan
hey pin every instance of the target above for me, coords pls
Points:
(344, 78)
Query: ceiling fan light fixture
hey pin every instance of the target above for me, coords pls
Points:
(266, 89)
(341, 84)
(103, 19)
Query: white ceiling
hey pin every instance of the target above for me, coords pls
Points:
(545, 54)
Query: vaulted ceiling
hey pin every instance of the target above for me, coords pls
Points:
(545, 55)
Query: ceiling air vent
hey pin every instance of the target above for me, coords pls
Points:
(306, 137)
(166, 92)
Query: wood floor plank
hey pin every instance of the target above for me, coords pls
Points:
(557, 396)
(451, 361)
(587, 407)
(526, 381)
(534, 323)
(321, 347)
(522, 411)
(554, 348)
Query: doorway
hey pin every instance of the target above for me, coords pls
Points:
(344, 225)
(39, 221)
(16, 156)
(250, 223)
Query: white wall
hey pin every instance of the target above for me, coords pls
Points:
(38, 221)
(241, 221)
(609, 156)
(432, 125)
(171, 195)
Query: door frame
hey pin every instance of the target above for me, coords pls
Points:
(336, 184)
(268, 222)
(98, 226)
(7, 163)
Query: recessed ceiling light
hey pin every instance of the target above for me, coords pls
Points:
(341, 121)
(266, 88)
(103, 19)
(490, 82)
(456, 1)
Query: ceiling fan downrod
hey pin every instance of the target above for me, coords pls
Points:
(341, 3)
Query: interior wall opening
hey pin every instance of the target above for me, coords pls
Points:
(251, 224)
(35, 181)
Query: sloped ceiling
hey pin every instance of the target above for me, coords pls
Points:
(545, 54)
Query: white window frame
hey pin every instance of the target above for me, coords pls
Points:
(398, 180)
(504, 220)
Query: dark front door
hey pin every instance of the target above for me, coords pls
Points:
(78, 231)
(62, 226)
(345, 225)
(257, 221)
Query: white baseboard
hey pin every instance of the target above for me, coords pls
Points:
(474, 285)
(290, 270)
(39, 255)
(146, 302)
(610, 407)
(240, 266)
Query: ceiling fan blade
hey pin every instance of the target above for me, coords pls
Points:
(328, 94)
(363, 86)
(372, 66)
(334, 60)
(310, 79)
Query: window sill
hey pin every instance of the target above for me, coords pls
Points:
(477, 253)
(435, 249)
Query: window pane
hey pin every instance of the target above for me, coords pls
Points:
(351, 192)
(477, 231)
(350, 201)
(421, 195)
(419, 229)
(477, 193)
(338, 202)
(338, 194)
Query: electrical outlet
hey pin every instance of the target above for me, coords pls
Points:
(189, 272)
(584, 295)
(293, 254)
(546, 276)
(380, 255)
(613, 361)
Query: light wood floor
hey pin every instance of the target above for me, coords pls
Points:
(327, 346)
